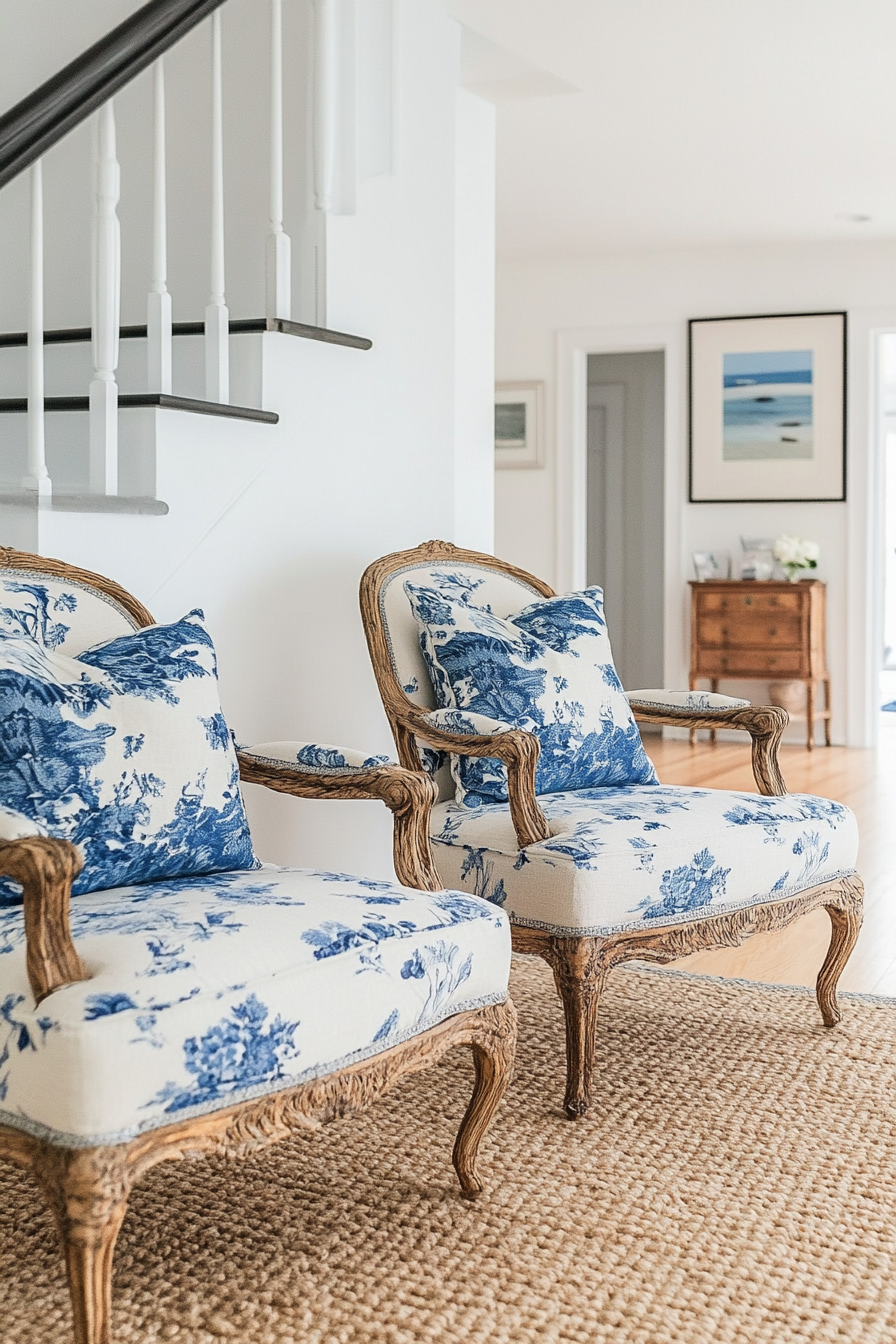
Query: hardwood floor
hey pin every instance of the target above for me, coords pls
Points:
(866, 782)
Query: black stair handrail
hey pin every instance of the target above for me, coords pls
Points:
(35, 124)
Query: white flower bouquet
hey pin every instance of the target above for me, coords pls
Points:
(794, 554)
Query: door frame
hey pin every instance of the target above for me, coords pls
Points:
(865, 522)
(571, 519)
(612, 401)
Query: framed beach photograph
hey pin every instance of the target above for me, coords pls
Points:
(519, 424)
(768, 408)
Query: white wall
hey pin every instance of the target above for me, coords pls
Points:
(612, 294)
(474, 331)
(364, 461)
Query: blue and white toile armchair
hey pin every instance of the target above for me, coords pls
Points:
(162, 993)
(550, 807)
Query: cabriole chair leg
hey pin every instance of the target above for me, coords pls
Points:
(846, 923)
(89, 1198)
(579, 974)
(493, 1060)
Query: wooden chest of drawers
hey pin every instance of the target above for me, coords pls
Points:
(765, 631)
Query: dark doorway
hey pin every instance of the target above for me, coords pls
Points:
(626, 448)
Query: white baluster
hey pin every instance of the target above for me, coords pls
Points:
(217, 318)
(106, 311)
(158, 303)
(326, 97)
(278, 284)
(37, 477)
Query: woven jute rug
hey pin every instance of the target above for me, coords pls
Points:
(737, 1184)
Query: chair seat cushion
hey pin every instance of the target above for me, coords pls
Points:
(640, 858)
(209, 990)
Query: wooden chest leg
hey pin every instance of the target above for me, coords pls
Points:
(810, 715)
(714, 686)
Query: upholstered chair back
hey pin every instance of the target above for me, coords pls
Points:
(485, 581)
(63, 611)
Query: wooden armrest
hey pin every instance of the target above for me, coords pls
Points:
(46, 869)
(764, 723)
(516, 749)
(408, 794)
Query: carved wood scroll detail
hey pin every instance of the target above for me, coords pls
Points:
(88, 1188)
(46, 869)
(580, 965)
(409, 796)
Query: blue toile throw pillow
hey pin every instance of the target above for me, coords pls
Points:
(548, 669)
(124, 751)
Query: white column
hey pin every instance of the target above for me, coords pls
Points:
(106, 311)
(217, 318)
(326, 100)
(37, 477)
(158, 303)
(278, 284)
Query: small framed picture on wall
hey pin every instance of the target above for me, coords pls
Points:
(519, 424)
(768, 408)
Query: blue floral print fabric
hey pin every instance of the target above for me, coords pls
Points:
(62, 614)
(703, 702)
(636, 858)
(123, 750)
(547, 669)
(315, 758)
(209, 990)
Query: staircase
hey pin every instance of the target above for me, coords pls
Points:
(105, 419)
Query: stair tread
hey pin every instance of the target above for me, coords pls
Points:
(66, 502)
(73, 335)
(164, 400)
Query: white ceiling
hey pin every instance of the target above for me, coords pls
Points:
(692, 121)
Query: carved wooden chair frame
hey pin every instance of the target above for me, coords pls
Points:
(87, 1188)
(581, 964)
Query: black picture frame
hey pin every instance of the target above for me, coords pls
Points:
(705, 461)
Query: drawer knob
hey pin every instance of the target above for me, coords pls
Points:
(773, 632)
(748, 601)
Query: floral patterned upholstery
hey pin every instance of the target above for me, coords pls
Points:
(314, 758)
(547, 669)
(619, 858)
(502, 593)
(634, 858)
(122, 749)
(62, 614)
(705, 702)
(209, 990)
